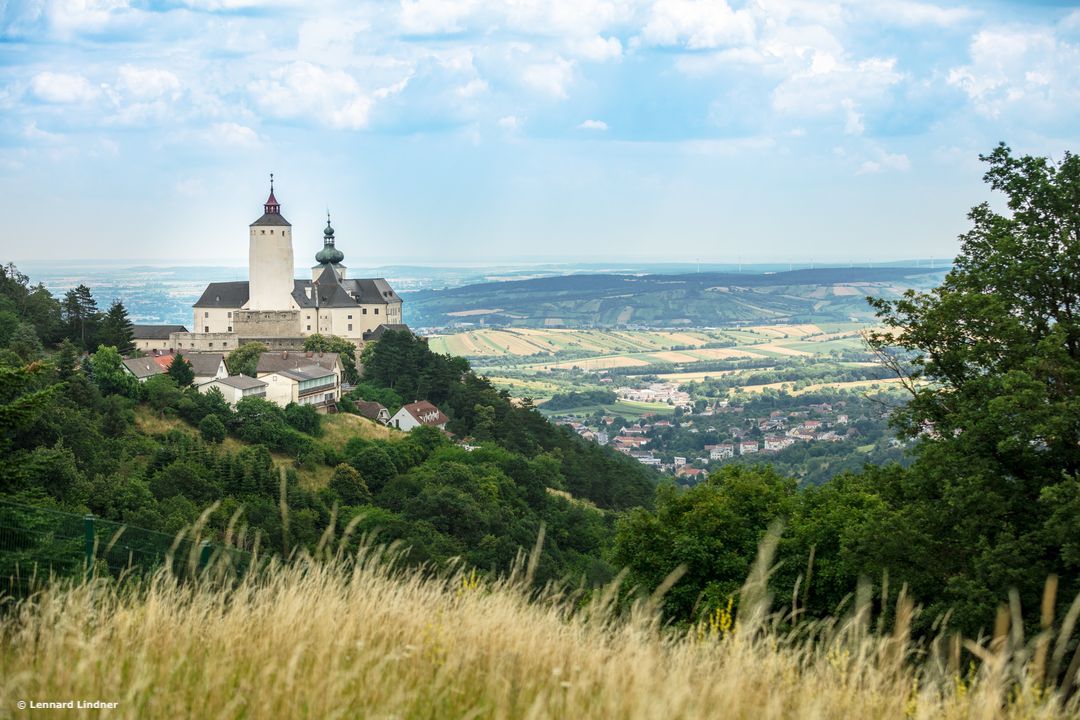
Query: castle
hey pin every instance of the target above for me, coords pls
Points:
(280, 311)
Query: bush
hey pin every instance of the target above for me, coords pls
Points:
(349, 486)
(304, 418)
(212, 429)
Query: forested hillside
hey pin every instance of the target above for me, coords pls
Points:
(693, 300)
(81, 435)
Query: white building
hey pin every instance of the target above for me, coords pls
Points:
(307, 385)
(236, 387)
(419, 413)
(274, 306)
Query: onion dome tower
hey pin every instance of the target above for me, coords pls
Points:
(329, 256)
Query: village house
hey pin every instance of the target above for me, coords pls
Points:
(419, 413)
(690, 472)
(372, 411)
(236, 387)
(305, 385)
(748, 447)
(271, 362)
(143, 368)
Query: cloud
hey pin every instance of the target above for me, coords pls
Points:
(510, 122)
(596, 48)
(232, 135)
(62, 88)
(593, 125)
(884, 162)
(148, 82)
(697, 24)
(304, 90)
(914, 14)
(550, 78)
(831, 86)
(431, 17)
(1026, 71)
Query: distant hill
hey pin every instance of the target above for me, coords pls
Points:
(696, 299)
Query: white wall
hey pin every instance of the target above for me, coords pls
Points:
(270, 268)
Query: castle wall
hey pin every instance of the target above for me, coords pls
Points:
(267, 323)
(204, 342)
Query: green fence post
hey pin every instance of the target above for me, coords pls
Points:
(88, 530)
(204, 554)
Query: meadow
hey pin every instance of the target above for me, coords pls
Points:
(361, 636)
(541, 362)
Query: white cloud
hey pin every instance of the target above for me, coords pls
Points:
(1029, 71)
(35, 134)
(550, 78)
(884, 162)
(596, 48)
(593, 125)
(510, 122)
(697, 24)
(833, 86)
(233, 135)
(62, 88)
(305, 90)
(913, 14)
(428, 17)
(148, 82)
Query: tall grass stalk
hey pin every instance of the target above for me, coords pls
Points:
(363, 636)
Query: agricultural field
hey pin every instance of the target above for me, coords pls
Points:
(542, 362)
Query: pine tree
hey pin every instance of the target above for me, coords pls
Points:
(116, 329)
(67, 360)
(181, 372)
(80, 311)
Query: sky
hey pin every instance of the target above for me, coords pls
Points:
(525, 130)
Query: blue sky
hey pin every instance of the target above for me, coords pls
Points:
(477, 131)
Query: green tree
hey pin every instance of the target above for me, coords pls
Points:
(713, 530)
(345, 349)
(80, 311)
(116, 329)
(162, 393)
(991, 359)
(245, 359)
(25, 343)
(67, 360)
(304, 418)
(349, 486)
(212, 429)
(180, 371)
(108, 373)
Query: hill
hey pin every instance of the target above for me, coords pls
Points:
(688, 300)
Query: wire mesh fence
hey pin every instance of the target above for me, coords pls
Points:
(38, 543)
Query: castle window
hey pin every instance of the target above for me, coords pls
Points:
(350, 327)
(206, 314)
(230, 328)
(211, 344)
(262, 232)
(350, 317)
(376, 311)
(365, 311)
(230, 314)
(206, 329)
(309, 328)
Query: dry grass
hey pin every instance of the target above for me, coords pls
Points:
(361, 639)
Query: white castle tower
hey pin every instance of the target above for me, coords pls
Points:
(270, 259)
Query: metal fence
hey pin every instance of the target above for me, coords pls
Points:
(37, 543)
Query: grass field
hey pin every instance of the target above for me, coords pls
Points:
(541, 362)
(361, 639)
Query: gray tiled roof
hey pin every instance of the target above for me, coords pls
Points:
(156, 332)
(241, 382)
(307, 372)
(292, 359)
(224, 295)
(143, 367)
(369, 408)
(205, 364)
(272, 219)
